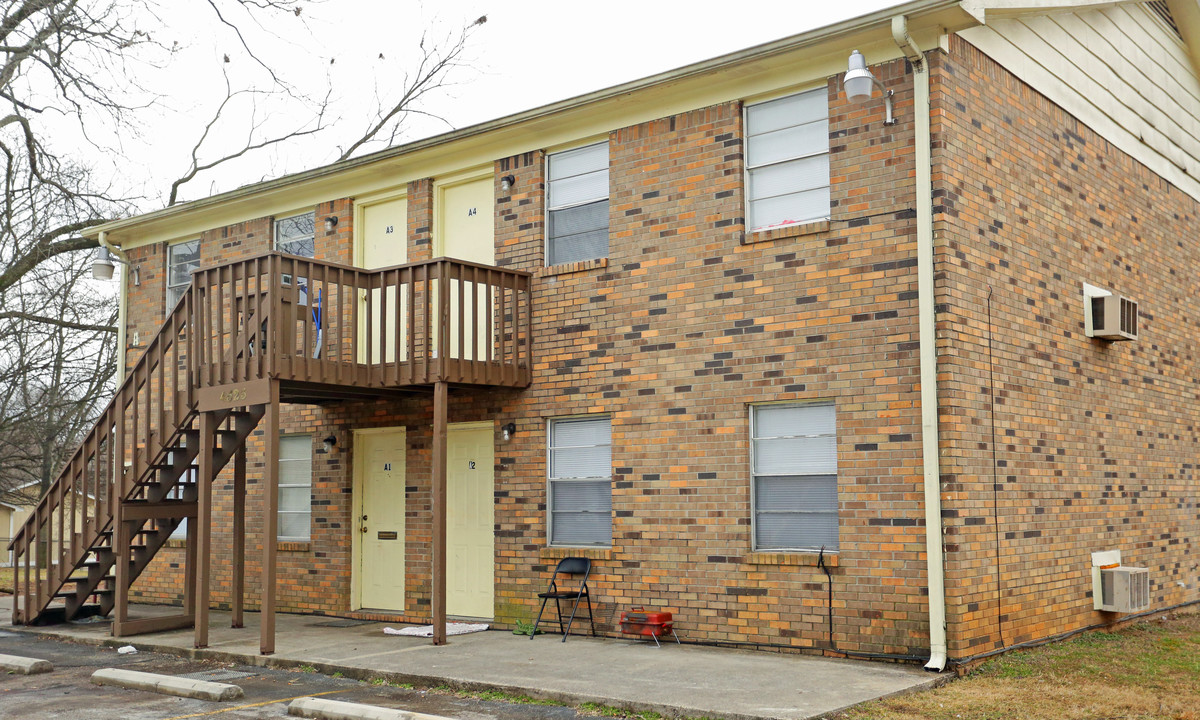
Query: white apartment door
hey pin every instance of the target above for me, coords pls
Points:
(467, 231)
(470, 524)
(384, 242)
(379, 517)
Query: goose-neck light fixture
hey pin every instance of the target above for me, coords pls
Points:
(859, 82)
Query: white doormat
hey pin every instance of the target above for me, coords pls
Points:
(427, 630)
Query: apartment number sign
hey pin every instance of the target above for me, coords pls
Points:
(232, 395)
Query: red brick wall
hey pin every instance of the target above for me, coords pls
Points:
(1095, 441)
(685, 324)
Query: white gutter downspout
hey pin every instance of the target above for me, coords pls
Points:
(122, 308)
(935, 568)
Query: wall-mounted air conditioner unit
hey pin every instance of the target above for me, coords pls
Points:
(1108, 316)
(1117, 588)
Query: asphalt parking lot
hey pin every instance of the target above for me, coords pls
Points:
(67, 693)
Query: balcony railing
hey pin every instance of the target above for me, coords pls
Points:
(302, 321)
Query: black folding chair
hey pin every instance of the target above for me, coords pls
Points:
(567, 566)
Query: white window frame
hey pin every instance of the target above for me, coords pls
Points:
(754, 510)
(748, 168)
(280, 220)
(607, 198)
(180, 288)
(551, 480)
(279, 536)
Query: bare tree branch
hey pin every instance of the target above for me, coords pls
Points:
(431, 74)
(13, 315)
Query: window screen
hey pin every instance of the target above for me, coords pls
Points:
(295, 487)
(295, 235)
(577, 204)
(794, 459)
(182, 259)
(580, 469)
(787, 160)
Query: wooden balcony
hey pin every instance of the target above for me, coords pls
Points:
(327, 332)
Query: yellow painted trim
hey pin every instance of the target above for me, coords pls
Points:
(473, 425)
(360, 206)
(356, 491)
(788, 63)
(440, 185)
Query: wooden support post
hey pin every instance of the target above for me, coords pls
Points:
(204, 525)
(120, 545)
(239, 534)
(270, 514)
(440, 398)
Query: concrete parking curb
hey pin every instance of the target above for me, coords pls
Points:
(322, 709)
(167, 684)
(24, 665)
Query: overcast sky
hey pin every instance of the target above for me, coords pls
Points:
(528, 53)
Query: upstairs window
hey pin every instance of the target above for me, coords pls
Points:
(580, 469)
(794, 459)
(295, 235)
(577, 205)
(787, 160)
(182, 259)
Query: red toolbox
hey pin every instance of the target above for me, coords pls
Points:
(652, 624)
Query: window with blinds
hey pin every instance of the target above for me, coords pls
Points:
(295, 487)
(577, 205)
(787, 160)
(182, 259)
(296, 235)
(794, 459)
(580, 470)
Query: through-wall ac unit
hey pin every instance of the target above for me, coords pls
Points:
(1123, 589)
(1113, 317)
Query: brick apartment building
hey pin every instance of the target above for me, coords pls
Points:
(805, 379)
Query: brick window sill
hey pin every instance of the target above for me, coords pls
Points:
(804, 559)
(786, 232)
(575, 267)
(558, 553)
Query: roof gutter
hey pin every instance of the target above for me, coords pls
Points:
(930, 461)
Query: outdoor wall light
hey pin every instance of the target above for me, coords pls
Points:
(330, 223)
(329, 442)
(102, 266)
(507, 182)
(858, 82)
(507, 431)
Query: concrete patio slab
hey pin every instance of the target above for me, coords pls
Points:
(687, 680)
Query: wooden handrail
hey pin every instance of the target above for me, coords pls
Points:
(332, 324)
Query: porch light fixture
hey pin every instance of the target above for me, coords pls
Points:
(329, 442)
(330, 223)
(507, 182)
(858, 82)
(507, 431)
(102, 266)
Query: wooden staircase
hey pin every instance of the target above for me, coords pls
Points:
(246, 336)
(139, 464)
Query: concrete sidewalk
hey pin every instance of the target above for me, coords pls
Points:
(675, 680)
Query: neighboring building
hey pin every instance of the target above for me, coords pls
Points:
(730, 336)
